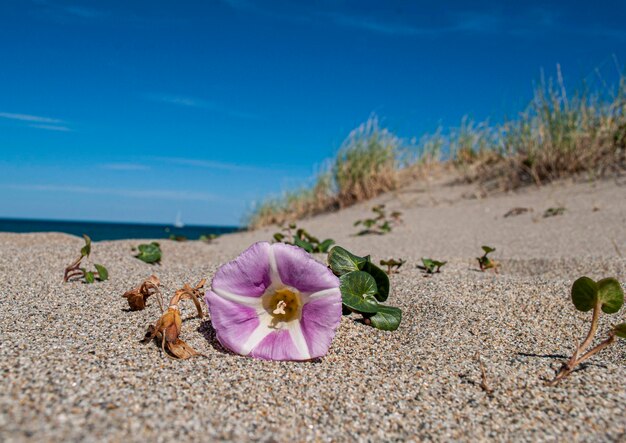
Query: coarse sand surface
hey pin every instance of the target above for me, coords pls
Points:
(73, 368)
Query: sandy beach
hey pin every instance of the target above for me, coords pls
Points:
(73, 367)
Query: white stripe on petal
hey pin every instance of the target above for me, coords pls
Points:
(295, 331)
(320, 294)
(274, 275)
(257, 336)
(253, 302)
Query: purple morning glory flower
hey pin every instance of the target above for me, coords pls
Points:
(275, 302)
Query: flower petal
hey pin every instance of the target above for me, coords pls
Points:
(248, 275)
(277, 345)
(233, 322)
(300, 271)
(320, 319)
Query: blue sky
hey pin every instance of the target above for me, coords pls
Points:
(134, 111)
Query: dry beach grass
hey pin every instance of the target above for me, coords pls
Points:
(73, 368)
(557, 135)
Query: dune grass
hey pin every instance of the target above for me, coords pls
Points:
(556, 136)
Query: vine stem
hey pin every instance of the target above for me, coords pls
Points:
(593, 328)
(576, 359)
(569, 367)
(71, 268)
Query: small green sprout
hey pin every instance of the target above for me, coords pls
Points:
(208, 238)
(364, 286)
(392, 263)
(552, 212)
(606, 296)
(516, 211)
(484, 262)
(380, 224)
(150, 252)
(74, 271)
(431, 266)
(179, 238)
(302, 239)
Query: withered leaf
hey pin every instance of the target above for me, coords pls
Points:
(137, 297)
(167, 329)
(189, 293)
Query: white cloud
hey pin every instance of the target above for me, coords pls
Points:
(29, 118)
(52, 128)
(194, 102)
(209, 164)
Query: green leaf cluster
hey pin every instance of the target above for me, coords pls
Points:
(604, 295)
(208, 238)
(149, 252)
(393, 263)
(74, 270)
(552, 212)
(303, 239)
(364, 286)
(101, 274)
(381, 223)
(431, 266)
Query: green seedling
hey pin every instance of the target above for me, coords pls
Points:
(431, 266)
(391, 264)
(364, 286)
(379, 224)
(516, 211)
(292, 235)
(175, 237)
(552, 212)
(75, 272)
(484, 262)
(604, 296)
(208, 238)
(149, 252)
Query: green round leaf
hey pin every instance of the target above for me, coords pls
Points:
(103, 274)
(149, 253)
(358, 290)
(381, 278)
(387, 318)
(584, 293)
(611, 295)
(342, 261)
(488, 249)
(89, 277)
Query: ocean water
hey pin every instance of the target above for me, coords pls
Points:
(111, 231)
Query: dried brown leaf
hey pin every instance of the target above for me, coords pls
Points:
(137, 297)
(167, 329)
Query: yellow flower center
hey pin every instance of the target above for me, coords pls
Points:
(283, 305)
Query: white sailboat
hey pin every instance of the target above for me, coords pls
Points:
(178, 223)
